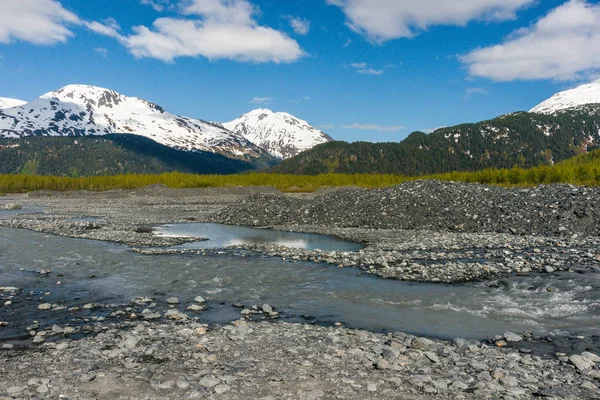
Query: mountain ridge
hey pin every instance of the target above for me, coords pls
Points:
(522, 139)
(279, 133)
(82, 110)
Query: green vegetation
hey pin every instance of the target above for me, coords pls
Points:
(522, 139)
(580, 170)
(109, 155)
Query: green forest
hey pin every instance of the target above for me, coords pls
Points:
(520, 139)
(107, 155)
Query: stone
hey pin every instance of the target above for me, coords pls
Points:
(222, 388)
(581, 363)
(383, 364)
(512, 337)
(421, 343)
(200, 299)
(130, 342)
(43, 388)
(548, 269)
(267, 308)
(173, 300)
(432, 357)
(195, 307)
(209, 381)
(12, 206)
(45, 306)
(371, 387)
(590, 357)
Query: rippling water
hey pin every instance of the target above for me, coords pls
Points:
(545, 304)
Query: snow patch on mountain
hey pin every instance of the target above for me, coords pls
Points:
(81, 110)
(6, 102)
(282, 135)
(582, 95)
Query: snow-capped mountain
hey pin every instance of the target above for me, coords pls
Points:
(280, 134)
(582, 95)
(80, 110)
(6, 102)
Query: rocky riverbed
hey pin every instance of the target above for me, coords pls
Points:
(418, 231)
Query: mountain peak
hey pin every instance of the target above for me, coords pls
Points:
(82, 110)
(579, 96)
(6, 102)
(279, 133)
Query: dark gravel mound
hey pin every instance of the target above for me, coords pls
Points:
(552, 210)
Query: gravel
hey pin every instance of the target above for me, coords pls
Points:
(554, 210)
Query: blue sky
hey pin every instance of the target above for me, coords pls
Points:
(372, 70)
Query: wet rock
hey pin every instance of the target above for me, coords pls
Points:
(173, 300)
(512, 337)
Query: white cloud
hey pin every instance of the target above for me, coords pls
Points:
(374, 127)
(382, 20)
(108, 27)
(260, 100)
(469, 92)
(563, 45)
(223, 29)
(158, 5)
(363, 68)
(299, 25)
(102, 51)
(370, 71)
(325, 126)
(42, 22)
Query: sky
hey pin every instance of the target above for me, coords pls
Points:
(369, 70)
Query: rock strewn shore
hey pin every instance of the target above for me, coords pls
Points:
(188, 360)
(554, 210)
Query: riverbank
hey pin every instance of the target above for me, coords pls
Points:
(429, 232)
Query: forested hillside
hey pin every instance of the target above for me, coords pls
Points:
(519, 139)
(107, 155)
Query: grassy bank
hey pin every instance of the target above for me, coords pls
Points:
(581, 170)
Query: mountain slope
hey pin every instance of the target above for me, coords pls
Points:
(6, 102)
(107, 155)
(79, 110)
(280, 134)
(582, 95)
(521, 139)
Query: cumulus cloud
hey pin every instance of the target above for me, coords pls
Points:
(560, 46)
(382, 20)
(374, 127)
(299, 25)
(42, 22)
(219, 29)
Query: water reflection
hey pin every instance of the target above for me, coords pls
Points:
(221, 236)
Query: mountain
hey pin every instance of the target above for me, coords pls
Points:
(280, 134)
(107, 155)
(80, 110)
(522, 139)
(6, 102)
(582, 95)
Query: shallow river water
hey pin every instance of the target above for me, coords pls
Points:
(301, 289)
